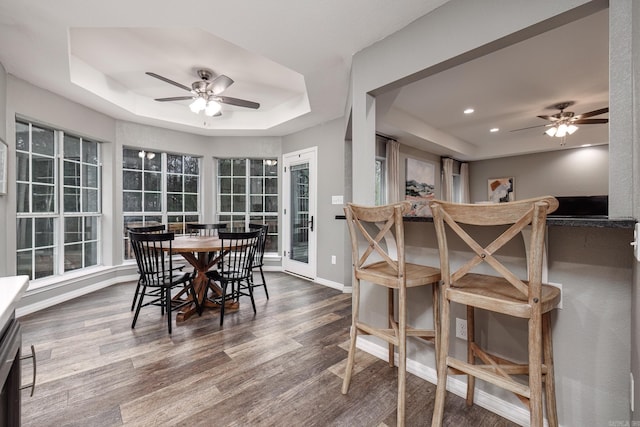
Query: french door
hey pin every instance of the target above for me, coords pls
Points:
(299, 213)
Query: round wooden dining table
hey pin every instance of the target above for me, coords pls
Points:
(203, 253)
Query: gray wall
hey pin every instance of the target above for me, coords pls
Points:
(4, 206)
(575, 172)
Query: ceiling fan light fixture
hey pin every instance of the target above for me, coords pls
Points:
(562, 130)
(571, 129)
(551, 131)
(212, 108)
(198, 105)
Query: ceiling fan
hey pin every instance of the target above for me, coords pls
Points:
(205, 93)
(565, 122)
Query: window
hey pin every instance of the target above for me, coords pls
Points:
(381, 170)
(381, 184)
(159, 188)
(248, 192)
(58, 208)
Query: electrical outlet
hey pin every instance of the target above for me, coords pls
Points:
(461, 329)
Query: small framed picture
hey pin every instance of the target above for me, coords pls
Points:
(501, 190)
(3, 167)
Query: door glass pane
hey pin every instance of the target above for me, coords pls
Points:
(300, 213)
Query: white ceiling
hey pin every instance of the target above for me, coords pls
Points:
(294, 58)
(508, 89)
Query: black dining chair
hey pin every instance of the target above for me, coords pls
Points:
(160, 228)
(154, 258)
(234, 273)
(204, 229)
(258, 257)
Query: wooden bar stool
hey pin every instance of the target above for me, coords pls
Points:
(505, 293)
(381, 261)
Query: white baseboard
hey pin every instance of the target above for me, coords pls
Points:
(508, 410)
(66, 296)
(332, 284)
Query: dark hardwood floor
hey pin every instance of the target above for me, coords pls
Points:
(281, 367)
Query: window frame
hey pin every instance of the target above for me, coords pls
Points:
(175, 220)
(243, 218)
(57, 247)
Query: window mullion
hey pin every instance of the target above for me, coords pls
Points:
(163, 186)
(58, 190)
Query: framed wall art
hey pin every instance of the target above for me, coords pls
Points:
(420, 186)
(501, 190)
(3, 167)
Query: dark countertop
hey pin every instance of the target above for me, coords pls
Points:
(557, 221)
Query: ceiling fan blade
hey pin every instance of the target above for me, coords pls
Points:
(589, 121)
(550, 118)
(238, 102)
(530, 127)
(220, 84)
(174, 98)
(592, 113)
(171, 82)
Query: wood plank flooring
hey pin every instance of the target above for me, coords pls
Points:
(281, 367)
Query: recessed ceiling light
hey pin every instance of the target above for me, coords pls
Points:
(494, 129)
(469, 111)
